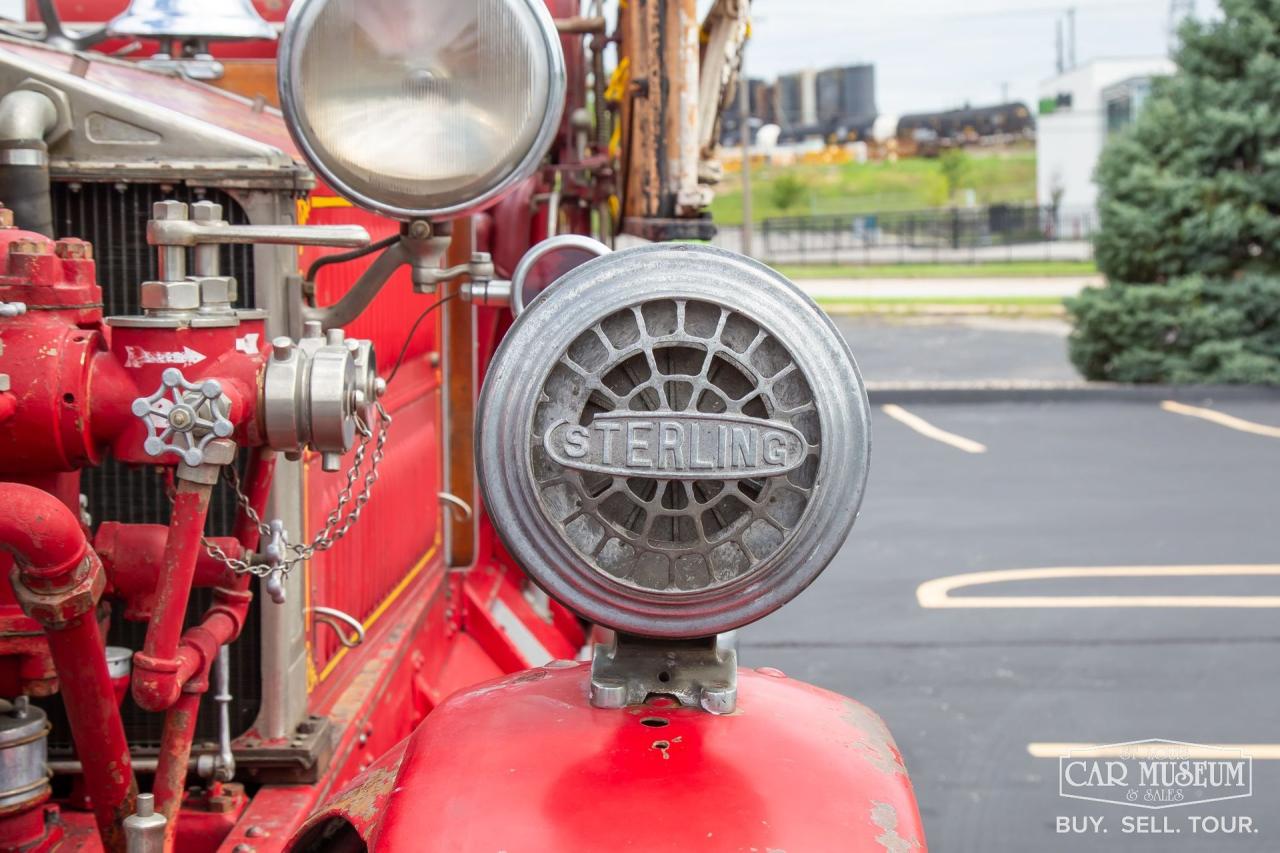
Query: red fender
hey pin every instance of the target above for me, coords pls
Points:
(526, 764)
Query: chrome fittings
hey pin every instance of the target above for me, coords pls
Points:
(316, 393)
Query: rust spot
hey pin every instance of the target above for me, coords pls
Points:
(885, 816)
(363, 801)
(876, 744)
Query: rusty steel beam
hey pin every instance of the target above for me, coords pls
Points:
(459, 375)
(581, 26)
(662, 198)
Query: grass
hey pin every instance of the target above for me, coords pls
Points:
(913, 184)
(1012, 269)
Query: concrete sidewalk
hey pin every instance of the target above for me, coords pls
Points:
(947, 288)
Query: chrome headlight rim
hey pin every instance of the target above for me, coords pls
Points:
(507, 405)
(299, 24)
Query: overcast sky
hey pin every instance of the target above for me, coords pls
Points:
(935, 54)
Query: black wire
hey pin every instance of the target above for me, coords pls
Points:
(413, 331)
(353, 255)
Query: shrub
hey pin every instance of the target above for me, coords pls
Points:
(1189, 206)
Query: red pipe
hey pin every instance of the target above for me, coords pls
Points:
(133, 557)
(40, 531)
(58, 581)
(156, 681)
(199, 648)
(175, 753)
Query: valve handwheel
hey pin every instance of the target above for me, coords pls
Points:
(183, 417)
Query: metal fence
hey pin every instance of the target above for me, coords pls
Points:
(959, 235)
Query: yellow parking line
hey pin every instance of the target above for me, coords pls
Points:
(1257, 751)
(936, 594)
(1221, 419)
(928, 430)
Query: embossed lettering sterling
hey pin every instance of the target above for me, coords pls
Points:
(674, 441)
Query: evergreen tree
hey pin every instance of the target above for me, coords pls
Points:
(1190, 217)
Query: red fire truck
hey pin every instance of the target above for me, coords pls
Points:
(388, 469)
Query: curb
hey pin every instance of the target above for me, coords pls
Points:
(1059, 392)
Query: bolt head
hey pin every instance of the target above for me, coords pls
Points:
(181, 418)
(217, 290)
(73, 250)
(171, 296)
(29, 247)
(6, 217)
(170, 210)
(282, 348)
(206, 211)
(420, 229)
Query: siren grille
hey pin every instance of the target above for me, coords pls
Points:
(674, 440)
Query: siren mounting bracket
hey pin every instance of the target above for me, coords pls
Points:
(697, 673)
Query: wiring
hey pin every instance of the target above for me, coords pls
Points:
(353, 255)
(413, 330)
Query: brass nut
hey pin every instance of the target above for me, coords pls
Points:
(57, 609)
(73, 250)
(170, 295)
(28, 247)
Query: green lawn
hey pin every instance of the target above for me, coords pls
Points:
(913, 184)
(1013, 269)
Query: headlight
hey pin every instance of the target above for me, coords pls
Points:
(422, 109)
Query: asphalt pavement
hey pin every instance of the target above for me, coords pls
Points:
(982, 694)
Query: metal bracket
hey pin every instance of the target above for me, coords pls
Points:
(299, 759)
(461, 509)
(696, 673)
(337, 620)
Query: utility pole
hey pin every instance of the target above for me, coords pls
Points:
(1004, 92)
(744, 116)
(1062, 56)
(1071, 36)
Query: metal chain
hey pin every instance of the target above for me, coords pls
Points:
(337, 524)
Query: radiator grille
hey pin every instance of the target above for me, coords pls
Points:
(113, 217)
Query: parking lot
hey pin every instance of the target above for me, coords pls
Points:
(1165, 623)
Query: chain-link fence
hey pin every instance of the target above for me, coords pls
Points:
(1004, 232)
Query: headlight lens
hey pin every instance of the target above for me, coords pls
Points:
(422, 109)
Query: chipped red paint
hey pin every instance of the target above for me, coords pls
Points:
(527, 760)
(175, 752)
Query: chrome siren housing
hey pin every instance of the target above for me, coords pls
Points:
(674, 441)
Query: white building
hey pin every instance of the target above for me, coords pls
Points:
(1073, 124)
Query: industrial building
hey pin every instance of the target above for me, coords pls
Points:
(1078, 111)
